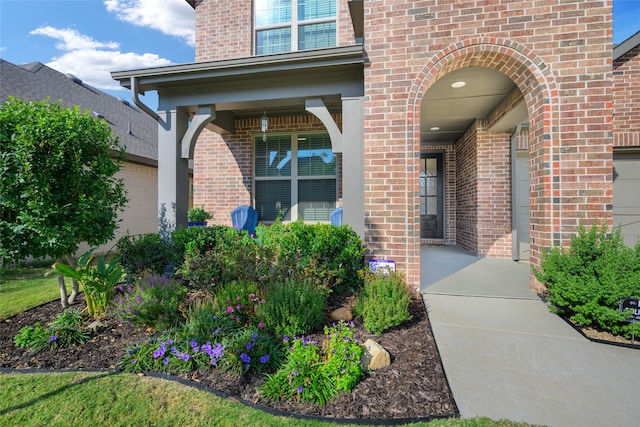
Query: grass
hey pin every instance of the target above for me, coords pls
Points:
(26, 287)
(117, 399)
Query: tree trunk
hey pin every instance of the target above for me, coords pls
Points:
(74, 283)
(63, 292)
(74, 291)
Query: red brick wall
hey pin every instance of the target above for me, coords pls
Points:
(494, 193)
(467, 191)
(223, 166)
(626, 99)
(223, 29)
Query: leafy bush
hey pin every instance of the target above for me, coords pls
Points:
(147, 252)
(180, 238)
(316, 374)
(333, 255)
(219, 254)
(150, 302)
(384, 302)
(587, 281)
(65, 331)
(293, 308)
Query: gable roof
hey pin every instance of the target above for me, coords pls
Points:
(35, 81)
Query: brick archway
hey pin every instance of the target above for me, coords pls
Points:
(539, 89)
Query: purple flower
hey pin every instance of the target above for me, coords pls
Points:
(229, 309)
(264, 359)
(52, 338)
(249, 345)
(299, 390)
(133, 361)
(165, 360)
(169, 341)
(245, 358)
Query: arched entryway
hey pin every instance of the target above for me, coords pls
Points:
(496, 145)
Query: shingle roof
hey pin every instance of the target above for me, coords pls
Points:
(35, 81)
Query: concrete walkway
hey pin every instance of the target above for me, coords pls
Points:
(507, 357)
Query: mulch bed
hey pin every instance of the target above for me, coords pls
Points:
(414, 386)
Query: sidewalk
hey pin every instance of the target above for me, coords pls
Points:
(507, 357)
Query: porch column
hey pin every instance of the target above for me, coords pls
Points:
(173, 171)
(353, 163)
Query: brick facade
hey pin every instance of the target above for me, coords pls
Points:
(626, 100)
(557, 53)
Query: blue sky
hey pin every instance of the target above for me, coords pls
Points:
(90, 38)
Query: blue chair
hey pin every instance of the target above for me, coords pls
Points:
(336, 217)
(245, 218)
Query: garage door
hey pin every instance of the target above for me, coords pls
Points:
(626, 195)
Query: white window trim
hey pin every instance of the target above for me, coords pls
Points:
(294, 25)
(294, 178)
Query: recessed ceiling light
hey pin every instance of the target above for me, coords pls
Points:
(458, 84)
(435, 128)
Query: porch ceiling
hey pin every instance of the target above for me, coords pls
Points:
(447, 112)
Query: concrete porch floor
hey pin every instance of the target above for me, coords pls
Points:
(507, 357)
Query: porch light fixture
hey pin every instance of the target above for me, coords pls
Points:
(457, 85)
(265, 126)
(435, 128)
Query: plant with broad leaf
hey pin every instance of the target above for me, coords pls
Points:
(96, 281)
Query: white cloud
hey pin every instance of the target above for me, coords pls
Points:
(70, 39)
(172, 17)
(91, 60)
(94, 66)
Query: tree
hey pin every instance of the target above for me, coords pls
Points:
(58, 184)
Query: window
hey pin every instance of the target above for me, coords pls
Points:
(289, 25)
(295, 177)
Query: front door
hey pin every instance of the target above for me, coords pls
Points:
(431, 196)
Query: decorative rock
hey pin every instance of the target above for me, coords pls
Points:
(374, 356)
(97, 326)
(342, 313)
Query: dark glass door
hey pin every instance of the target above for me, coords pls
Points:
(431, 196)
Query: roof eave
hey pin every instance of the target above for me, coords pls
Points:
(626, 46)
(154, 77)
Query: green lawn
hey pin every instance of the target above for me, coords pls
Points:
(26, 287)
(89, 399)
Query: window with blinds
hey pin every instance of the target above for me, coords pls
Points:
(290, 25)
(295, 177)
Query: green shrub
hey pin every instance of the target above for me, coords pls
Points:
(219, 254)
(332, 255)
(292, 308)
(316, 374)
(152, 302)
(180, 238)
(146, 252)
(65, 331)
(384, 302)
(35, 338)
(587, 281)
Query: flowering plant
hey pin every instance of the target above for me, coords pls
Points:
(316, 374)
